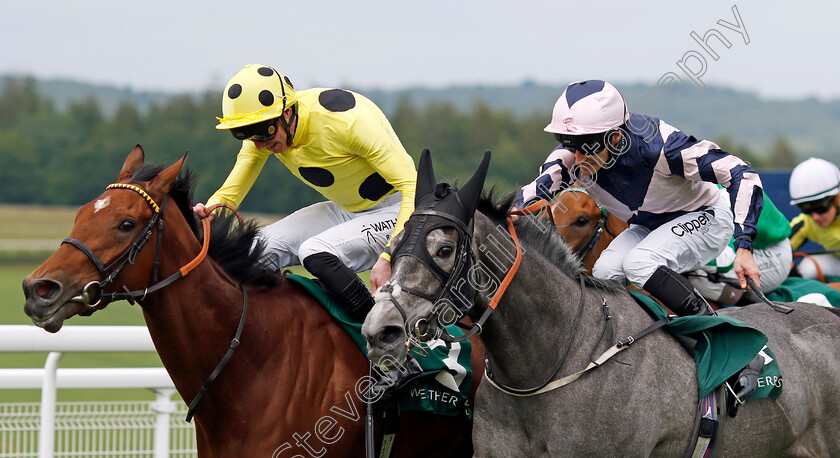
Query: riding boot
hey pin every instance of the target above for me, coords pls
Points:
(393, 380)
(743, 385)
(338, 279)
(677, 293)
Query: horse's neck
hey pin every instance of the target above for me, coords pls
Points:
(193, 320)
(185, 316)
(539, 316)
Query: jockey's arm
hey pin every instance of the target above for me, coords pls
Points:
(249, 164)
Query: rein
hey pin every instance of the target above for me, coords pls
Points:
(549, 385)
(129, 256)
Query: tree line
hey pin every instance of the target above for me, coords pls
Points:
(67, 157)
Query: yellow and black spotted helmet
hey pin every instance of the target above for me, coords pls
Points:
(256, 94)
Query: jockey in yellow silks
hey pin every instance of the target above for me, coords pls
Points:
(814, 189)
(339, 143)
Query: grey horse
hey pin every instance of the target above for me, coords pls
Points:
(548, 324)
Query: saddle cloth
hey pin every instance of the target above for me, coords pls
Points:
(724, 347)
(447, 374)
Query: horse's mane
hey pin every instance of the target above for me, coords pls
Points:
(232, 246)
(537, 240)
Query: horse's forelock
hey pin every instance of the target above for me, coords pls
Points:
(495, 208)
(181, 191)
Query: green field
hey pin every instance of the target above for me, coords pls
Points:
(53, 224)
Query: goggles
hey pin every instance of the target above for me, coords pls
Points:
(817, 206)
(260, 132)
(586, 144)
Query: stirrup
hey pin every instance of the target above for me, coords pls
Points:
(744, 385)
(733, 401)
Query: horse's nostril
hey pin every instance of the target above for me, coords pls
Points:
(390, 334)
(46, 289)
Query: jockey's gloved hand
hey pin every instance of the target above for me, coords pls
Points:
(393, 380)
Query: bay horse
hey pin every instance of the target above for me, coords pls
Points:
(587, 227)
(292, 384)
(550, 322)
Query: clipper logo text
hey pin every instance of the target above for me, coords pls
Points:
(699, 224)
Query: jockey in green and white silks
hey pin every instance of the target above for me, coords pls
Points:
(340, 144)
(772, 252)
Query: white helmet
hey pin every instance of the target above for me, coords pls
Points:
(588, 107)
(812, 180)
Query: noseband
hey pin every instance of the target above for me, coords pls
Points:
(416, 229)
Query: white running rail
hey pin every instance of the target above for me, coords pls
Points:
(21, 338)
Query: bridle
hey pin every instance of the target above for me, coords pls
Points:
(108, 273)
(451, 281)
(413, 245)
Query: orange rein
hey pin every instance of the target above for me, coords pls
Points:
(820, 275)
(205, 224)
(533, 209)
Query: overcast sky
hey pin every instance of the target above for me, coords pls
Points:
(177, 45)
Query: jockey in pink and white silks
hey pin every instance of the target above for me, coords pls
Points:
(655, 177)
(664, 183)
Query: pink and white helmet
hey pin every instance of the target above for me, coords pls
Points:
(588, 107)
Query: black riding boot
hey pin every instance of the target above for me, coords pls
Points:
(342, 282)
(677, 293)
(743, 385)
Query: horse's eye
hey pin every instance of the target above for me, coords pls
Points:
(127, 225)
(445, 252)
(582, 221)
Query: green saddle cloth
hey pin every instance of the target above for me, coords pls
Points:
(798, 289)
(724, 347)
(445, 384)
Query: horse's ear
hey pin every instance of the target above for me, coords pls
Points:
(160, 185)
(425, 176)
(470, 192)
(135, 159)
